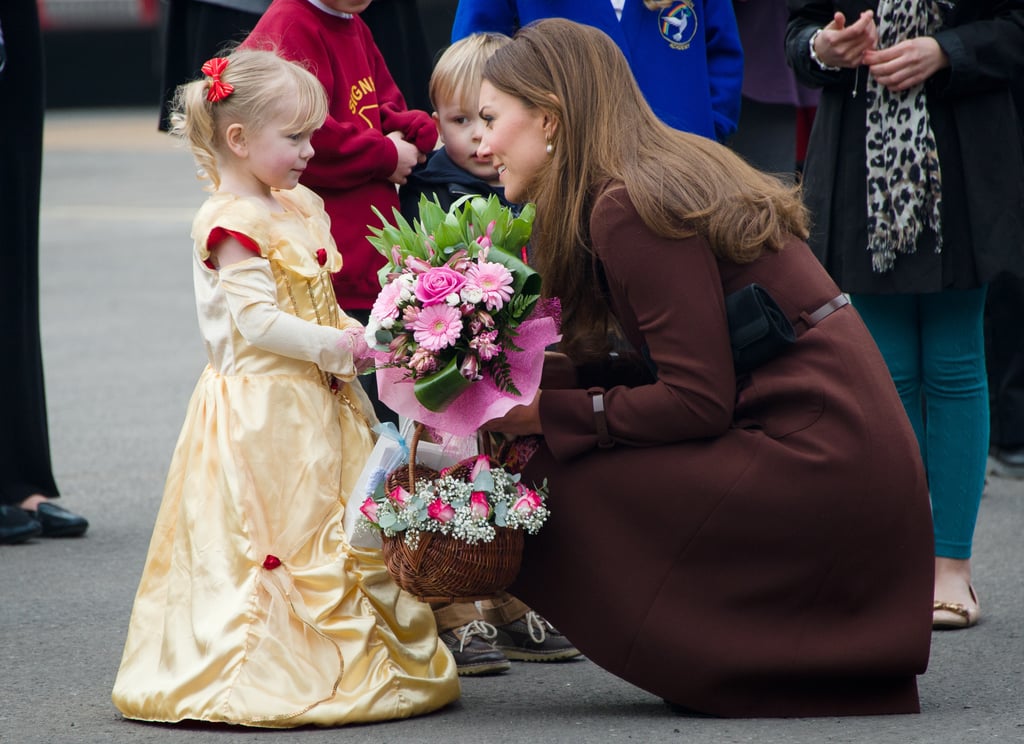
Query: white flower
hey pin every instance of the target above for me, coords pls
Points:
(472, 295)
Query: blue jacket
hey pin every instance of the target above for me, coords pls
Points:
(686, 58)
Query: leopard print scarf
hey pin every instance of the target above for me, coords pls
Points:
(904, 181)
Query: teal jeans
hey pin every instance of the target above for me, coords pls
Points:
(934, 345)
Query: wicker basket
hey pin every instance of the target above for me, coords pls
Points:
(443, 568)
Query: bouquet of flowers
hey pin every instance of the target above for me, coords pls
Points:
(466, 501)
(458, 306)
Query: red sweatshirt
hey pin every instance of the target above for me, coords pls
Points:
(353, 156)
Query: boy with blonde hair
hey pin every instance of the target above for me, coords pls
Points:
(481, 642)
(455, 170)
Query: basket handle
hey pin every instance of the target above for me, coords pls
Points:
(416, 434)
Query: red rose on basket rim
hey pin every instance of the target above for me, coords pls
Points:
(369, 509)
(399, 495)
(529, 500)
(441, 511)
(479, 506)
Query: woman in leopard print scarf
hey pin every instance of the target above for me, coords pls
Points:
(915, 181)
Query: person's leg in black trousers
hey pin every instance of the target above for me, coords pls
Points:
(27, 484)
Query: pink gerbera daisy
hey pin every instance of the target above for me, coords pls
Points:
(437, 327)
(386, 304)
(494, 280)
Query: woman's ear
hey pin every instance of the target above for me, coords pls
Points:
(234, 138)
(550, 120)
(550, 126)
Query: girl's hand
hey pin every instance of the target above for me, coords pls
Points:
(354, 340)
(520, 421)
(906, 64)
(839, 45)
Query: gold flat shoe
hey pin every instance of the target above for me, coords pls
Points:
(956, 615)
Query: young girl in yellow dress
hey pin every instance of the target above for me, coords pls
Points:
(252, 608)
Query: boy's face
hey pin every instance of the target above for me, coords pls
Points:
(347, 6)
(460, 132)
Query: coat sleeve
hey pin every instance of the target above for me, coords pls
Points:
(984, 54)
(725, 66)
(673, 289)
(473, 16)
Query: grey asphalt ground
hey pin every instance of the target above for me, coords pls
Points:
(122, 353)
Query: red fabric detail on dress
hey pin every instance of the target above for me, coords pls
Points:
(219, 234)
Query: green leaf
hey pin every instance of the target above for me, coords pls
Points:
(436, 391)
(484, 481)
(501, 514)
(431, 214)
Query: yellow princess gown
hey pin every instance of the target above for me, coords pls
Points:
(253, 608)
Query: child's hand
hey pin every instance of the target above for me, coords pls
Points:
(408, 158)
(354, 341)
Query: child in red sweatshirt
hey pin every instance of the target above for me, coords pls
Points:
(370, 141)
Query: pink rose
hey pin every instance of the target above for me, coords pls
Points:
(478, 505)
(399, 496)
(369, 509)
(528, 501)
(440, 511)
(434, 286)
(481, 465)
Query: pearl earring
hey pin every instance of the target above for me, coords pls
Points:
(549, 148)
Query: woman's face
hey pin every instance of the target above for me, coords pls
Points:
(514, 137)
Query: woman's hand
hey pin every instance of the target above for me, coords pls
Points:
(906, 64)
(519, 421)
(839, 45)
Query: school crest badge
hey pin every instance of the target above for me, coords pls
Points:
(678, 24)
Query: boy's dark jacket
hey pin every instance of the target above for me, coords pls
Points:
(441, 177)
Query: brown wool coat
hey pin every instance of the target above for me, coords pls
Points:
(760, 553)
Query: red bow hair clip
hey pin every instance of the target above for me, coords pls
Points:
(219, 90)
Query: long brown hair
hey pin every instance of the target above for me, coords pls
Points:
(680, 183)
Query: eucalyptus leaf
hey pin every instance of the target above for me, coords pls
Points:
(484, 481)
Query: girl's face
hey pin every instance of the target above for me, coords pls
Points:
(277, 155)
(459, 130)
(514, 137)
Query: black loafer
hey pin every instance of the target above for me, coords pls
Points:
(16, 526)
(57, 521)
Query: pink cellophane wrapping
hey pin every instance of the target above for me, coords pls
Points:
(481, 401)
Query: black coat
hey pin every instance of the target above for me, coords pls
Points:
(980, 152)
(439, 177)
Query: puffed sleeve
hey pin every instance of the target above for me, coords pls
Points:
(673, 290)
(234, 216)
